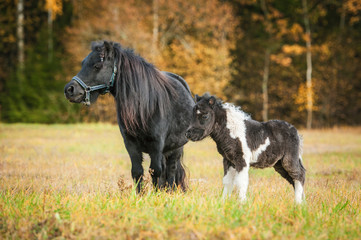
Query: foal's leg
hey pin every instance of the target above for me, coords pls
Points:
(241, 182)
(293, 165)
(228, 179)
(279, 168)
(299, 192)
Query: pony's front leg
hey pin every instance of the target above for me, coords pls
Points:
(137, 171)
(241, 182)
(228, 179)
(156, 168)
(136, 158)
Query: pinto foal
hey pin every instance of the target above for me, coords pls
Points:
(244, 142)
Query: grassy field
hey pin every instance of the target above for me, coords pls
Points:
(73, 181)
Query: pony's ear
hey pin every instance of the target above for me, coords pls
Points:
(108, 48)
(197, 98)
(212, 101)
(95, 46)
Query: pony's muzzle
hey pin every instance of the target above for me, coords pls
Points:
(73, 92)
(188, 133)
(69, 91)
(194, 134)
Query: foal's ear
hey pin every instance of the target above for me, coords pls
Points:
(212, 101)
(197, 98)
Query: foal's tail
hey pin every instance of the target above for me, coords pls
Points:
(300, 152)
(300, 144)
(180, 175)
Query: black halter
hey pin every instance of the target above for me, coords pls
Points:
(104, 87)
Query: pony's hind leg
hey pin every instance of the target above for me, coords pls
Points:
(293, 166)
(172, 167)
(299, 192)
(279, 168)
(156, 167)
(180, 173)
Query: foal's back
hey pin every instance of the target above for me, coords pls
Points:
(283, 140)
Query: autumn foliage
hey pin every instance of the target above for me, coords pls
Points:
(234, 49)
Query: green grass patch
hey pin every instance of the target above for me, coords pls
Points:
(73, 181)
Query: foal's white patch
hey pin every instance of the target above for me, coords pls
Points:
(198, 112)
(228, 182)
(299, 195)
(237, 128)
(259, 150)
(241, 182)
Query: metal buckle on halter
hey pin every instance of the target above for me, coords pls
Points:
(87, 97)
(105, 88)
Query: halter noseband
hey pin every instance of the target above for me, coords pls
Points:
(88, 89)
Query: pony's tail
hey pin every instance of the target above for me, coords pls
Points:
(181, 175)
(300, 144)
(300, 152)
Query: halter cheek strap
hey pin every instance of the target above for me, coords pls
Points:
(104, 87)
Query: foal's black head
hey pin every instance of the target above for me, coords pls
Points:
(95, 75)
(204, 117)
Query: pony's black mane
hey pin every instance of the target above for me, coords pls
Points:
(141, 89)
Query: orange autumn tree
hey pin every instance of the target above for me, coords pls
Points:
(195, 38)
(54, 8)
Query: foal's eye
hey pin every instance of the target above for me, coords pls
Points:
(98, 66)
(205, 116)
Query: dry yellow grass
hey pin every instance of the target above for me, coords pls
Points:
(73, 181)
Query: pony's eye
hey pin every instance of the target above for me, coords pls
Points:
(205, 116)
(98, 66)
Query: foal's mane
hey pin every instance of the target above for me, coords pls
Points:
(141, 90)
(236, 110)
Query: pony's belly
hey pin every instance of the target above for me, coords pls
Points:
(266, 159)
(262, 165)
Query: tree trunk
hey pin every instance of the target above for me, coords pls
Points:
(50, 35)
(154, 50)
(265, 84)
(342, 17)
(266, 62)
(338, 76)
(20, 35)
(309, 65)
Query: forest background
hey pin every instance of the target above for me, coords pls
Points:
(296, 60)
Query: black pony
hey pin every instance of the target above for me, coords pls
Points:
(154, 108)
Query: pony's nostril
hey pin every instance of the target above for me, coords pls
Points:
(70, 90)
